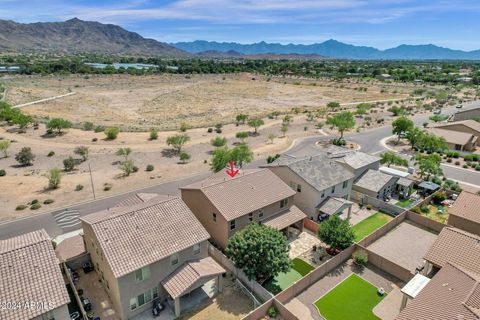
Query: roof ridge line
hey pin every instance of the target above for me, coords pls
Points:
(233, 179)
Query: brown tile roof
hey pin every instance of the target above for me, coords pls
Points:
(137, 199)
(472, 124)
(452, 294)
(30, 271)
(333, 205)
(135, 236)
(374, 180)
(70, 248)
(190, 273)
(457, 247)
(285, 218)
(466, 206)
(455, 137)
(250, 191)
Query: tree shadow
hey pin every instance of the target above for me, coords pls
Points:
(168, 153)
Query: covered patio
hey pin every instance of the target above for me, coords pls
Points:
(334, 205)
(289, 221)
(191, 276)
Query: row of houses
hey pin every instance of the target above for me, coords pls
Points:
(155, 247)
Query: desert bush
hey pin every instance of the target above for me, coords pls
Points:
(184, 157)
(425, 209)
(107, 186)
(54, 176)
(112, 133)
(34, 201)
(99, 129)
(25, 157)
(51, 154)
(48, 201)
(69, 164)
(457, 163)
(150, 167)
(127, 167)
(3, 173)
(35, 206)
(272, 312)
(360, 257)
(82, 151)
(153, 134)
(369, 207)
(210, 130)
(21, 207)
(88, 126)
(78, 187)
(94, 139)
(183, 126)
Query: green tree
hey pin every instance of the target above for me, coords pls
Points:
(256, 123)
(178, 141)
(334, 105)
(220, 158)
(82, 151)
(401, 126)
(336, 232)
(25, 156)
(397, 111)
(112, 133)
(184, 157)
(391, 157)
(69, 164)
(414, 135)
(242, 135)
(429, 165)
(124, 152)
(4, 144)
(21, 120)
(438, 117)
(218, 142)
(260, 251)
(241, 118)
(342, 121)
(287, 120)
(241, 154)
(59, 124)
(128, 167)
(54, 177)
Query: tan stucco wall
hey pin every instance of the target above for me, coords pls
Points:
(461, 128)
(309, 198)
(464, 224)
(373, 194)
(467, 115)
(59, 313)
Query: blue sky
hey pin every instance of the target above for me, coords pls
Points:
(378, 23)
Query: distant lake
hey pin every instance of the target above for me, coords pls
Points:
(122, 65)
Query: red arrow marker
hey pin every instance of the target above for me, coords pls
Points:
(232, 172)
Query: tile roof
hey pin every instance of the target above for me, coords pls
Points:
(455, 137)
(472, 124)
(333, 205)
(187, 275)
(247, 192)
(138, 235)
(285, 218)
(358, 159)
(70, 248)
(30, 271)
(374, 180)
(452, 294)
(319, 171)
(466, 206)
(457, 247)
(136, 199)
(405, 182)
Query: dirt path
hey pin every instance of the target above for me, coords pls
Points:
(44, 100)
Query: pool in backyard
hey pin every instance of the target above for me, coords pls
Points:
(299, 269)
(353, 298)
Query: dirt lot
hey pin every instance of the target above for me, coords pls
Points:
(163, 101)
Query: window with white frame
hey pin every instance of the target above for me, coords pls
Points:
(283, 202)
(233, 224)
(345, 184)
(143, 298)
(142, 274)
(196, 249)
(174, 259)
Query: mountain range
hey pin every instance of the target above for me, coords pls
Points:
(77, 36)
(333, 49)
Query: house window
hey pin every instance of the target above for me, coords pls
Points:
(333, 189)
(323, 194)
(133, 303)
(174, 259)
(292, 185)
(196, 249)
(345, 184)
(232, 224)
(283, 202)
(299, 188)
(142, 274)
(214, 217)
(250, 216)
(260, 213)
(155, 292)
(143, 298)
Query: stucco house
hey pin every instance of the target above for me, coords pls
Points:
(149, 247)
(356, 161)
(376, 184)
(225, 205)
(466, 126)
(456, 140)
(323, 185)
(465, 212)
(467, 114)
(30, 274)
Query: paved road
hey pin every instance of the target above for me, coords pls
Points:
(67, 219)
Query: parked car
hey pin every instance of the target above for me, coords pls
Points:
(437, 111)
(458, 106)
(87, 305)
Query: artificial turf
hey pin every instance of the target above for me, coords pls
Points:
(370, 224)
(406, 203)
(353, 298)
(285, 279)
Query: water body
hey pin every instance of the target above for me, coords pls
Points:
(139, 66)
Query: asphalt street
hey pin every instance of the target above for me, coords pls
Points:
(67, 219)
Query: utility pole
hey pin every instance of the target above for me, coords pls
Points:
(91, 180)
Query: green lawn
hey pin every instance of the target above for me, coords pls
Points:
(405, 203)
(353, 298)
(372, 223)
(285, 279)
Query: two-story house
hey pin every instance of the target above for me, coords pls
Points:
(149, 247)
(31, 281)
(225, 205)
(323, 185)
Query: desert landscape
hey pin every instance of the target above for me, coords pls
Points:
(138, 103)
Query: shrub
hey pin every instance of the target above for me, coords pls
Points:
(150, 167)
(449, 160)
(48, 201)
(184, 157)
(468, 157)
(21, 207)
(54, 176)
(78, 187)
(99, 129)
(425, 209)
(69, 164)
(218, 142)
(218, 130)
(82, 151)
(416, 210)
(107, 186)
(465, 166)
(272, 312)
(34, 201)
(127, 167)
(153, 134)
(112, 133)
(94, 139)
(360, 257)
(183, 126)
(477, 167)
(51, 154)
(88, 126)
(3, 173)
(25, 157)
(59, 124)
(457, 163)
(369, 207)
(438, 197)
(35, 206)
(209, 130)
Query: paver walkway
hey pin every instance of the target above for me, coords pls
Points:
(302, 243)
